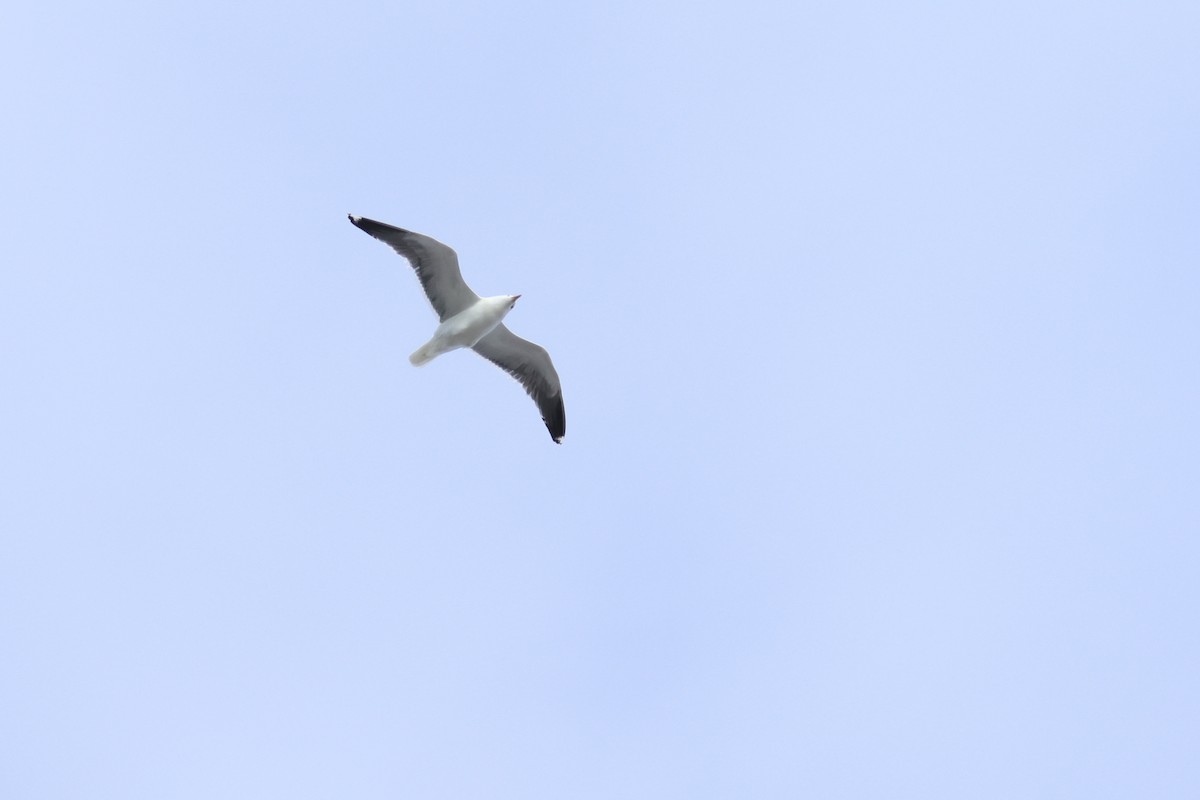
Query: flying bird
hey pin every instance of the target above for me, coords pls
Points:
(468, 320)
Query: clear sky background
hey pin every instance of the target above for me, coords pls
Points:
(878, 330)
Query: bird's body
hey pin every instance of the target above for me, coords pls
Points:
(468, 320)
(465, 328)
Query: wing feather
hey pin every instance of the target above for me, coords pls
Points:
(436, 265)
(530, 364)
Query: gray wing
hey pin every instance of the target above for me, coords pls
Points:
(435, 263)
(531, 365)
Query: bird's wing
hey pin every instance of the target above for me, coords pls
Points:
(531, 365)
(435, 263)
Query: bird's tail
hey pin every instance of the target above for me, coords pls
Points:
(424, 354)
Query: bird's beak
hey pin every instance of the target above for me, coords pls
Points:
(516, 297)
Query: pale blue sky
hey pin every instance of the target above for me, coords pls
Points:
(878, 330)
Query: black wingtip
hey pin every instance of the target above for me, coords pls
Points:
(372, 227)
(556, 422)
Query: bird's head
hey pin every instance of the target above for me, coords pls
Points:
(513, 298)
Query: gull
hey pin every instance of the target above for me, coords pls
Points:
(468, 320)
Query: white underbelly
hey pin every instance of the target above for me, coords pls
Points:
(467, 327)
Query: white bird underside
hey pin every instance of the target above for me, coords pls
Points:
(468, 320)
